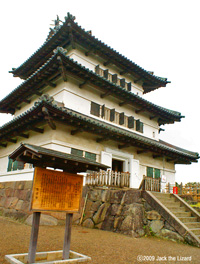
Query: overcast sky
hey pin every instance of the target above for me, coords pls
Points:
(159, 35)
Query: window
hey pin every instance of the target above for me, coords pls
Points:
(15, 165)
(113, 78)
(153, 172)
(116, 117)
(95, 109)
(139, 126)
(91, 156)
(77, 152)
(82, 153)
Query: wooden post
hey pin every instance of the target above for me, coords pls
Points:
(34, 237)
(181, 188)
(67, 237)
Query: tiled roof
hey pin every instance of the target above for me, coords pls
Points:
(71, 30)
(95, 126)
(23, 90)
(60, 159)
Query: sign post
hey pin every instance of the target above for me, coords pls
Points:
(54, 191)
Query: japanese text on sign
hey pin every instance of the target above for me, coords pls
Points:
(56, 191)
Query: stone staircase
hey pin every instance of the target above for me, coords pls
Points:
(178, 213)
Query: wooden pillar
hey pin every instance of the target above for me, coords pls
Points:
(34, 237)
(67, 237)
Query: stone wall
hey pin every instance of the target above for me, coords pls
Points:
(15, 199)
(123, 210)
(15, 202)
(126, 212)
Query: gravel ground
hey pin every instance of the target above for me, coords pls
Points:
(102, 246)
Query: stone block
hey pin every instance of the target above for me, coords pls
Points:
(20, 185)
(13, 203)
(88, 223)
(88, 205)
(25, 206)
(2, 201)
(28, 195)
(59, 215)
(44, 220)
(76, 218)
(116, 196)
(23, 194)
(101, 213)
(95, 206)
(28, 185)
(147, 207)
(117, 222)
(88, 214)
(19, 205)
(2, 192)
(9, 192)
(131, 209)
(123, 199)
(132, 196)
(138, 222)
(94, 195)
(99, 226)
(105, 196)
(153, 215)
(115, 209)
(127, 223)
(156, 226)
(8, 201)
(10, 185)
(14, 214)
(108, 223)
(2, 185)
(165, 233)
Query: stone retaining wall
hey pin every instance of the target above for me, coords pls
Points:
(15, 198)
(123, 210)
(126, 212)
(15, 202)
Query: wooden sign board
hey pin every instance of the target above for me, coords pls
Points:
(56, 191)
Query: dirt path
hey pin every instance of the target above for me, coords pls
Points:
(102, 246)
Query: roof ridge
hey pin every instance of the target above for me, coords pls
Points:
(70, 18)
(62, 51)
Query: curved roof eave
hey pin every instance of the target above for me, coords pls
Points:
(23, 121)
(52, 42)
(173, 115)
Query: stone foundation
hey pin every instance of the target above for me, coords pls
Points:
(123, 210)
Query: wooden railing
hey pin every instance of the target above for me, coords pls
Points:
(108, 178)
(150, 184)
(189, 189)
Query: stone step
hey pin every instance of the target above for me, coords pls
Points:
(196, 231)
(158, 194)
(177, 209)
(190, 219)
(182, 214)
(171, 203)
(193, 225)
(173, 206)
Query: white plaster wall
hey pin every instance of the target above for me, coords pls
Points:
(62, 140)
(80, 100)
(91, 62)
(19, 175)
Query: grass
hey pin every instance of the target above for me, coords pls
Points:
(195, 205)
